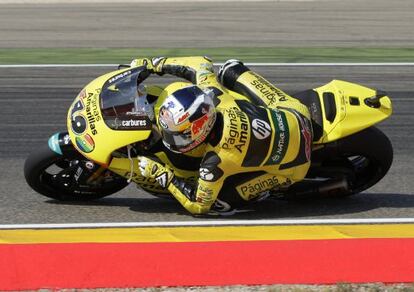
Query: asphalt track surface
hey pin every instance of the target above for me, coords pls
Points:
(346, 23)
(33, 105)
(33, 102)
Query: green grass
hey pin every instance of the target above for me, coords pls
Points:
(124, 55)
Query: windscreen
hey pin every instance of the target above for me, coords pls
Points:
(119, 99)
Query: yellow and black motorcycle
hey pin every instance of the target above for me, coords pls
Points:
(96, 157)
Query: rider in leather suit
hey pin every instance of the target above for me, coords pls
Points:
(259, 135)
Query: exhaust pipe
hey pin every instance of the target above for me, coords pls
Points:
(334, 187)
(329, 189)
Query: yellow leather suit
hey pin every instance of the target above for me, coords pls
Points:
(261, 135)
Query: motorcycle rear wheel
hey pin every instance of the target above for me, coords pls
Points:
(65, 177)
(345, 167)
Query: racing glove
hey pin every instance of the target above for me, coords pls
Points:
(154, 65)
(152, 169)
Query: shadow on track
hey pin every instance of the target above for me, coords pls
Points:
(269, 209)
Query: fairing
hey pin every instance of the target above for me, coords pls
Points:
(96, 133)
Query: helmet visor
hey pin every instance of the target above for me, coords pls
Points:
(177, 140)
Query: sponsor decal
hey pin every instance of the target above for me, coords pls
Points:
(134, 123)
(92, 112)
(270, 92)
(129, 123)
(281, 142)
(261, 129)
(206, 174)
(170, 104)
(204, 194)
(85, 143)
(165, 117)
(260, 135)
(254, 187)
(66, 139)
(183, 117)
(237, 128)
(194, 144)
(307, 135)
(198, 125)
(163, 124)
(119, 76)
(162, 179)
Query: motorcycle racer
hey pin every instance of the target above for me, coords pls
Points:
(263, 141)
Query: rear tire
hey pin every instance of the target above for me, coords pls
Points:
(355, 163)
(52, 185)
(373, 145)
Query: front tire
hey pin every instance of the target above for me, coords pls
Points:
(66, 177)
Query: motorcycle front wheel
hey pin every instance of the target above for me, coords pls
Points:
(69, 177)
